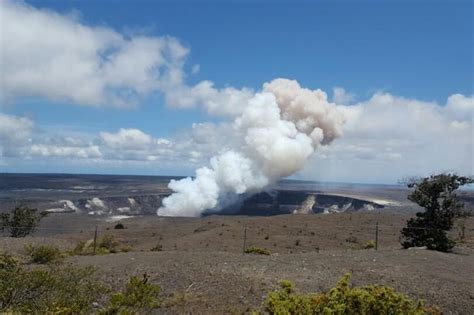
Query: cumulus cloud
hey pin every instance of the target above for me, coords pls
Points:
(134, 144)
(14, 134)
(41, 144)
(227, 101)
(387, 137)
(384, 138)
(460, 107)
(55, 56)
(20, 139)
(51, 150)
(126, 139)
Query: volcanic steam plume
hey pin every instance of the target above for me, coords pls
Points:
(276, 132)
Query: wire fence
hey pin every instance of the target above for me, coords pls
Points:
(395, 226)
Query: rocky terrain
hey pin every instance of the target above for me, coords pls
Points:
(201, 259)
(107, 195)
(315, 233)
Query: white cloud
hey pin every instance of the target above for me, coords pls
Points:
(14, 134)
(127, 139)
(384, 138)
(51, 150)
(50, 55)
(460, 107)
(21, 141)
(134, 144)
(58, 57)
(226, 101)
(341, 97)
(387, 137)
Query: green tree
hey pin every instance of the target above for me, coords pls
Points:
(21, 221)
(436, 194)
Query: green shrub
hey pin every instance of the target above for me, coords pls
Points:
(46, 290)
(78, 249)
(157, 248)
(71, 290)
(43, 254)
(138, 294)
(7, 262)
(126, 248)
(369, 244)
(257, 250)
(119, 226)
(285, 301)
(21, 221)
(106, 245)
(342, 299)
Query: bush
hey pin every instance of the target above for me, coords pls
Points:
(126, 248)
(71, 290)
(106, 245)
(7, 262)
(257, 250)
(21, 221)
(157, 248)
(46, 290)
(43, 254)
(119, 226)
(343, 299)
(79, 249)
(369, 244)
(138, 294)
(285, 301)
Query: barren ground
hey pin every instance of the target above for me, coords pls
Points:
(203, 267)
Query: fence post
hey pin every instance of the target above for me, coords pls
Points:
(95, 238)
(376, 236)
(245, 240)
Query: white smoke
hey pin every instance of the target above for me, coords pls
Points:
(278, 130)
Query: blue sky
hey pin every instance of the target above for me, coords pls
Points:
(417, 50)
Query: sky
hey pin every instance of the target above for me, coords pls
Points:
(152, 87)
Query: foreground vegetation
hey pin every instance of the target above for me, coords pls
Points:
(21, 221)
(105, 245)
(59, 289)
(343, 299)
(46, 290)
(43, 254)
(257, 251)
(69, 290)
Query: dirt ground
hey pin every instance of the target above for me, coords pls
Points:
(202, 269)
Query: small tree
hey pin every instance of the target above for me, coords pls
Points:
(21, 221)
(437, 195)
